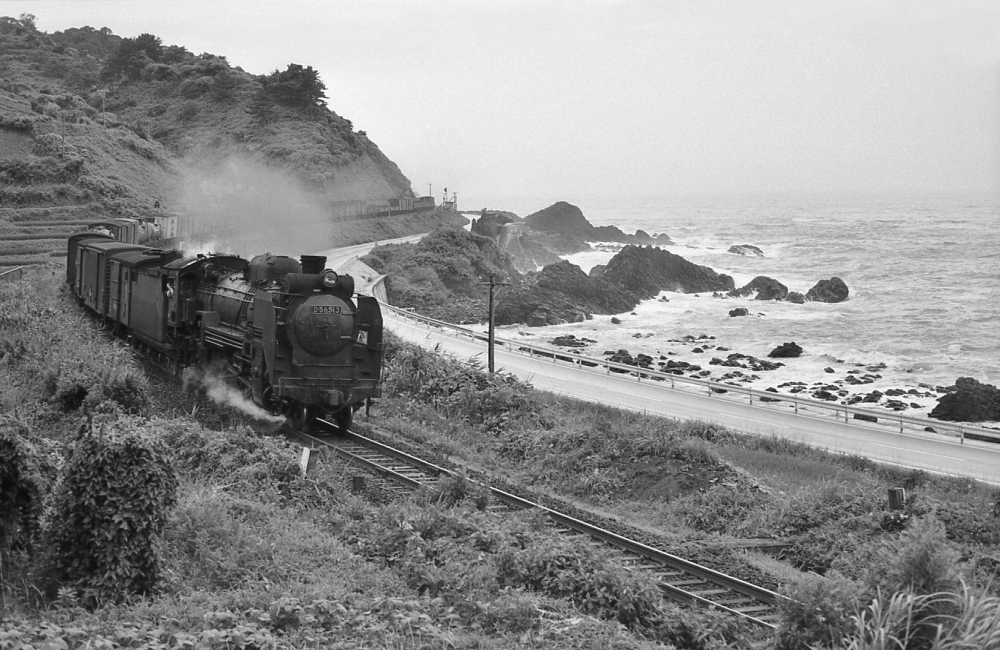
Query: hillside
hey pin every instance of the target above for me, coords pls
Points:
(96, 125)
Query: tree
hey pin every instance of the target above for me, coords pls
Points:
(28, 20)
(132, 56)
(297, 86)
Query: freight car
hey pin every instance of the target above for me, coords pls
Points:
(348, 210)
(127, 230)
(290, 333)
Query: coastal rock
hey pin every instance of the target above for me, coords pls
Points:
(645, 271)
(562, 292)
(739, 311)
(766, 289)
(570, 341)
(832, 290)
(597, 271)
(795, 297)
(786, 350)
(746, 249)
(528, 252)
(566, 219)
(738, 360)
(968, 401)
(491, 222)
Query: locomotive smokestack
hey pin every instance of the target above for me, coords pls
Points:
(313, 263)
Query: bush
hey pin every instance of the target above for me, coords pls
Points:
(92, 383)
(296, 86)
(817, 613)
(243, 460)
(492, 401)
(923, 563)
(194, 88)
(21, 487)
(110, 511)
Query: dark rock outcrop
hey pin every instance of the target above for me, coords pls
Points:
(968, 401)
(564, 218)
(738, 360)
(796, 297)
(570, 341)
(739, 311)
(490, 222)
(645, 271)
(786, 350)
(746, 249)
(766, 289)
(832, 290)
(597, 271)
(562, 293)
(529, 251)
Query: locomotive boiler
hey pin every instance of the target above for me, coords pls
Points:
(292, 334)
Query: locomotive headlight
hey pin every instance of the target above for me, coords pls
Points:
(329, 278)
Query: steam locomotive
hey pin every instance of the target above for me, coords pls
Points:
(290, 333)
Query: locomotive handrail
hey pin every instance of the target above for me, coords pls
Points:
(960, 431)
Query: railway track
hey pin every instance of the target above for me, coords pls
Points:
(679, 579)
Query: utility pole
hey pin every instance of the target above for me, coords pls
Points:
(492, 284)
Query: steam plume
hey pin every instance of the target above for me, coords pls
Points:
(220, 392)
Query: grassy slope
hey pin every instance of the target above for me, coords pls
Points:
(183, 135)
(273, 558)
(255, 556)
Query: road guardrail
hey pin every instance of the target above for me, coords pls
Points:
(841, 411)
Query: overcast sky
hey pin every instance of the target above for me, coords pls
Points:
(606, 98)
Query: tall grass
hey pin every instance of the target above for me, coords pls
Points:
(59, 354)
(899, 622)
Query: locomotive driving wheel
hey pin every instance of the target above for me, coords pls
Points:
(302, 416)
(344, 418)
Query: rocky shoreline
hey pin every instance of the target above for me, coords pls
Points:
(552, 302)
(704, 356)
(562, 293)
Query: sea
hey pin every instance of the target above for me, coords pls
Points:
(923, 275)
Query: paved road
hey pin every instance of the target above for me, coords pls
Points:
(880, 442)
(337, 256)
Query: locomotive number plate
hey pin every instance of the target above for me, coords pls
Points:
(326, 309)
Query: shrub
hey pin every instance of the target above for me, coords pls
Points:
(110, 510)
(816, 614)
(492, 401)
(92, 382)
(923, 563)
(21, 486)
(240, 458)
(194, 88)
(296, 86)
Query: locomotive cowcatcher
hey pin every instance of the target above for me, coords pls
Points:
(290, 333)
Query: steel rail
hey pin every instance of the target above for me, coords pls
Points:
(768, 598)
